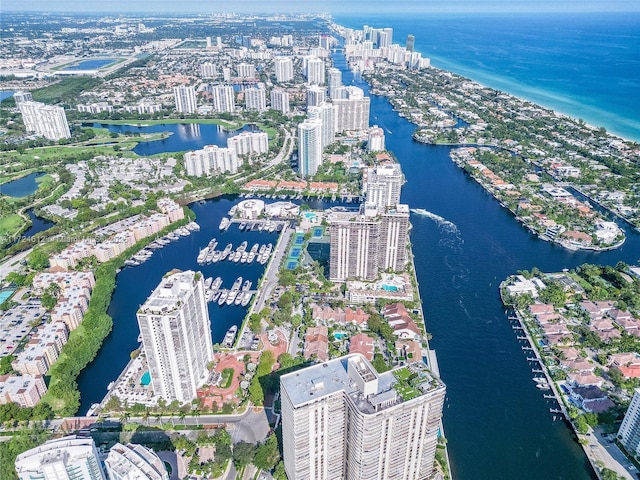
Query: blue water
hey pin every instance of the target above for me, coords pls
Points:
(185, 136)
(22, 186)
(5, 94)
(94, 64)
(585, 65)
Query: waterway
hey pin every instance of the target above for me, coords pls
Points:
(22, 186)
(184, 136)
(496, 420)
(497, 423)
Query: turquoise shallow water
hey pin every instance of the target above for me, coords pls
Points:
(585, 65)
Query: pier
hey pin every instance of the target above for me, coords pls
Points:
(554, 388)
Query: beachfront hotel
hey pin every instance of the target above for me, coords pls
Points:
(176, 336)
(343, 420)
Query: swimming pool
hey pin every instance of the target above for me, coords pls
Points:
(339, 335)
(145, 380)
(312, 217)
(389, 288)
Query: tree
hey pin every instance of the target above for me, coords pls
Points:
(267, 454)
(5, 364)
(243, 454)
(38, 260)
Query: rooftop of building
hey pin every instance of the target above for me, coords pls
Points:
(368, 390)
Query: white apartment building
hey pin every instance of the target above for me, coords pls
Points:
(246, 70)
(283, 67)
(211, 160)
(46, 120)
(95, 107)
(352, 111)
(249, 143)
(375, 139)
(208, 70)
(325, 112)
(343, 420)
(185, 98)
(256, 98)
(316, 95)
(334, 77)
(363, 244)
(176, 336)
(280, 100)
(309, 147)
(134, 462)
(61, 459)
(383, 185)
(315, 70)
(223, 98)
(629, 433)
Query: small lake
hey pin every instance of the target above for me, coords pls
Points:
(185, 136)
(22, 186)
(93, 64)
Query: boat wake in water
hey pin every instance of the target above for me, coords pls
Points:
(443, 222)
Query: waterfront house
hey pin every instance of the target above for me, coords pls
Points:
(540, 308)
(584, 379)
(578, 365)
(570, 353)
(591, 399)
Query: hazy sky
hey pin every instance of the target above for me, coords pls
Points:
(318, 6)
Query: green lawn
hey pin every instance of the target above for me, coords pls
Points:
(227, 377)
(11, 224)
(133, 122)
(44, 181)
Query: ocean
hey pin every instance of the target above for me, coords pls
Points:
(585, 65)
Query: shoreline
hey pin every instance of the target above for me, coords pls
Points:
(511, 86)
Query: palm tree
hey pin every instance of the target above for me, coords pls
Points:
(146, 414)
(182, 416)
(196, 414)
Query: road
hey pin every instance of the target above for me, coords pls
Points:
(602, 448)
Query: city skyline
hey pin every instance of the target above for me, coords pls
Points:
(333, 6)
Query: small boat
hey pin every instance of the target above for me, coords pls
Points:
(216, 283)
(216, 295)
(95, 406)
(224, 223)
(202, 256)
(246, 285)
(223, 296)
(226, 251)
(216, 256)
(230, 336)
(243, 225)
(208, 282)
(243, 258)
(246, 298)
